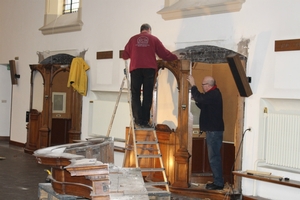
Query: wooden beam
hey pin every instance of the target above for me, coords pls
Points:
(287, 45)
(239, 75)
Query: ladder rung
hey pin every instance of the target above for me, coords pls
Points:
(152, 169)
(149, 156)
(146, 142)
(155, 183)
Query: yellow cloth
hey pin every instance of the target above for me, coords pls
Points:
(77, 76)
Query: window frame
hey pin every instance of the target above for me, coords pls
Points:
(71, 4)
(57, 22)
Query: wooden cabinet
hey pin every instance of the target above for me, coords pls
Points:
(55, 109)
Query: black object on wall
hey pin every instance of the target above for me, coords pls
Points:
(13, 72)
(27, 116)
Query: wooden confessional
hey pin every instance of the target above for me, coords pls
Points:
(184, 149)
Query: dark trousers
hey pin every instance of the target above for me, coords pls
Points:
(214, 141)
(141, 107)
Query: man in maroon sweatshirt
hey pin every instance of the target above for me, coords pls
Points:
(142, 50)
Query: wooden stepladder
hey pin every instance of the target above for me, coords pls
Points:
(148, 158)
(145, 146)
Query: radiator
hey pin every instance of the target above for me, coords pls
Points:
(282, 140)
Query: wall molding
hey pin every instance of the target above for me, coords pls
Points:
(194, 8)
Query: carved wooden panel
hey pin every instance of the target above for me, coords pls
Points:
(33, 127)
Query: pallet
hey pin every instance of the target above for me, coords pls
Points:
(46, 192)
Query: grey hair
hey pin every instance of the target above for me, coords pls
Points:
(211, 82)
(145, 27)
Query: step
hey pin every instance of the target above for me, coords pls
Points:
(149, 156)
(146, 142)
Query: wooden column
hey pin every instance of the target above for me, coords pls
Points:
(182, 154)
(44, 132)
(75, 132)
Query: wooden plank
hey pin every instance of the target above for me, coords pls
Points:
(121, 53)
(287, 45)
(239, 75)
(104, 55)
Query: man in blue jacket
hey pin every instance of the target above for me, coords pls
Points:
(211, 121)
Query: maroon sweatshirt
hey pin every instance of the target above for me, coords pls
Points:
(142, 50)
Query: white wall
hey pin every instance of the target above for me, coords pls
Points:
(108, 26)
(5, 100)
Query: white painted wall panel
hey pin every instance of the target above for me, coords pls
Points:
(5, 101)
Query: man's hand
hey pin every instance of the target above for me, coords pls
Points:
(191, 80)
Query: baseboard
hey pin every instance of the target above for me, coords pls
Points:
(16, 143)
(4, 138)
(253, 198)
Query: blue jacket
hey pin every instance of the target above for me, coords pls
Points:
(211, 106)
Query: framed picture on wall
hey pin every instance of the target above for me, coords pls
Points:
(58, 102)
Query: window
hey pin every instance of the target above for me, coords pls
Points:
(57, 22)
(58, 102)
(71, 6)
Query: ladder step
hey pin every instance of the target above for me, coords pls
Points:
(152, 169)
(149, 156)
(146, 142)
(155, 183)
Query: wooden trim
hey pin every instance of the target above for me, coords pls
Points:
(16, 143)
(253, 198)
(104, 55)
(13, 72)
(287, 45)
(270, 179)
(121, 53)
(4, 138)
